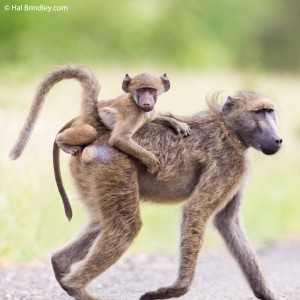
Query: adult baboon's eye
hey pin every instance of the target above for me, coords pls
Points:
(263, 110)
(259, 111)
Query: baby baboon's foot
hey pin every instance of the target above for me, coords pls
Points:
(182, 128)
(89, 153)
(70, 149)
(165, 293)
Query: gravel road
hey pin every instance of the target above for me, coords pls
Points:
(217, 277)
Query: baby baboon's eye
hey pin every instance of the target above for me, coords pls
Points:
(152, 90)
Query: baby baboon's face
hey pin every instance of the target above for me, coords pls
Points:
(145, 88)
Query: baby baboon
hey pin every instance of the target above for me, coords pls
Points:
(207, 170)
(124, 116)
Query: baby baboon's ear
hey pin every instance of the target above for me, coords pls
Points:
(126, 82)
(166, 82)
(228, 105)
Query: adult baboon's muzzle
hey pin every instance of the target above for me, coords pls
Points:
(272, 146)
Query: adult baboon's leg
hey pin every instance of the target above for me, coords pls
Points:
(228, 222)
(74, 251)
(120, 223)
(194, 221)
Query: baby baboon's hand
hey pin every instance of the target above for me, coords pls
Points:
(153, 164)
(182, 128)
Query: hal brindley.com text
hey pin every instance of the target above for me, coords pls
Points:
(41, 7)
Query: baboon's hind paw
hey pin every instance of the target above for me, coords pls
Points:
(165, 293)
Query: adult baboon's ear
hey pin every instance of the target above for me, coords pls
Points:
(126, 83)
(166, 82)
(228, 105)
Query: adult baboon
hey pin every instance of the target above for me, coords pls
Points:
(206, 170)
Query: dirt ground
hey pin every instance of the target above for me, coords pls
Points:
(217, 277)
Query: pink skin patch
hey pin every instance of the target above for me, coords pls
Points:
(103, 153)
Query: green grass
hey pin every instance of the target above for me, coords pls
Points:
(32, 221)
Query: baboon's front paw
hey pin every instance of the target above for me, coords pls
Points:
(265, 296)
(183, 128)
(165, 293)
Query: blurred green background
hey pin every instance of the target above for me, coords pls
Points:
(202, 45)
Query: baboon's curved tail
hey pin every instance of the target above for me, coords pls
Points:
(90, 88)
(57, 174)
(59, 183)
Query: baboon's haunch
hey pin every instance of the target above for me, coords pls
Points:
(207, 171)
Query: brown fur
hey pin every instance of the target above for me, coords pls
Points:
(206, 170)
